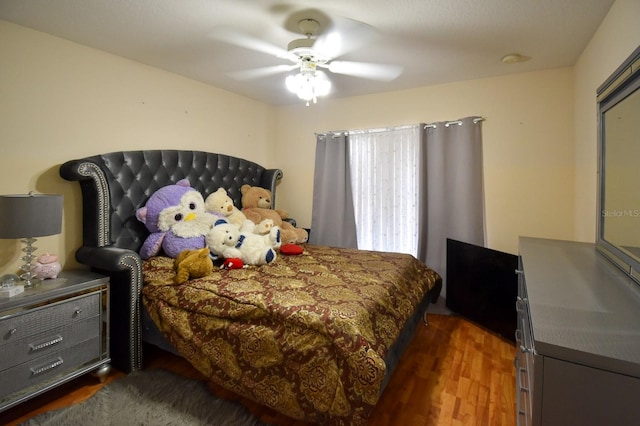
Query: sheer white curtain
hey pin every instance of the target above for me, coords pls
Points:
(385, 183)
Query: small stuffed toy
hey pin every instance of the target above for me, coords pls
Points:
(225, 240)
(176, 218)
(291, 249)
(232, 263)
(192, 264)
(220, 203)
(256, 206)
(47, 266)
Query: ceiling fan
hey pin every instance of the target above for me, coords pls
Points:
(311, 56)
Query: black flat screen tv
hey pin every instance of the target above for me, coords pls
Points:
(482, 286)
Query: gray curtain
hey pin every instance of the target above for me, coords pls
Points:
(333, 221)
(453, 192)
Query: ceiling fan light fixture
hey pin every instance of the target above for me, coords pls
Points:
(322, 86)
(308, 86)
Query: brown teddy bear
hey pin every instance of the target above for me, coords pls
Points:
(192, 264)
(256, 206)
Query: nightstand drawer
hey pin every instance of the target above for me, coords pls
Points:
(57, 339)
(52, 333)
(35, 321)
(40, 369)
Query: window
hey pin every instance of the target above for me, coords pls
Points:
(384, 178)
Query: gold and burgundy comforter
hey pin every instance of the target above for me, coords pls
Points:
(306, 335)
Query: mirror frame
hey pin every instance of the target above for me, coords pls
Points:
(624, 81)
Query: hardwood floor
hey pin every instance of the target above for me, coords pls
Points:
(453, 373)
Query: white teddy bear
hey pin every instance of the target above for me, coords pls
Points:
(219, 202)
(227, 241)
(263, 228)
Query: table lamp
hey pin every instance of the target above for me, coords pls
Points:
(27, 216)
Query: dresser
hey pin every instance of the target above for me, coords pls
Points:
(52, 333)
(578, 337)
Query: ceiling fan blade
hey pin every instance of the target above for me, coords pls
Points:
(231, 36)
(343, 36)
(261, 72)
(380, 72)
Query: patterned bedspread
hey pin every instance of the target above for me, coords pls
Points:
(306, 335)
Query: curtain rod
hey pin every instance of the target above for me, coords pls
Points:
(361, 131)
(451, 123)
(385, 129)
(382, 129)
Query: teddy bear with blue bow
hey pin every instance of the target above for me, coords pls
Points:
(228, 242)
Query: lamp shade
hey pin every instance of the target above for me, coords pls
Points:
(30, 215)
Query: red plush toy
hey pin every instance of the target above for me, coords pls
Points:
(232, 263)
(291, 249)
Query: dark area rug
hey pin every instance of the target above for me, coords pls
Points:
(150, 397)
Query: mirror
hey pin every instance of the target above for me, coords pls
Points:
(619, 167)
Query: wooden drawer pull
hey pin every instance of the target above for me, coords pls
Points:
(45, 368)
(44, 345)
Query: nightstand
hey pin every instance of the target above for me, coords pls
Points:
(52, 333)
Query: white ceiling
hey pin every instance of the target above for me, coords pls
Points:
(436, 41)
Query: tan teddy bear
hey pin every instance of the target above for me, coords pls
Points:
(256, 206)
(192, 264)
(220, 202)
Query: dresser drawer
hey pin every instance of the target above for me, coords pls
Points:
(45, 367)
(57, 339)
(49, 317)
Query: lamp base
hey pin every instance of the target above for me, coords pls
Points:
(27, 273)
(11, 291)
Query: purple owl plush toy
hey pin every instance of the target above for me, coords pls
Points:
(175, 216)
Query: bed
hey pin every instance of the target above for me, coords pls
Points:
(315, 336)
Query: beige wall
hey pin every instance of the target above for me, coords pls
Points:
(614, 41)
(60, 101)
(528, 145)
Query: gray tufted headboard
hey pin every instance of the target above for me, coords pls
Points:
(114, 186)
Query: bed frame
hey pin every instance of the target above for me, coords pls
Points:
(114, 186)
